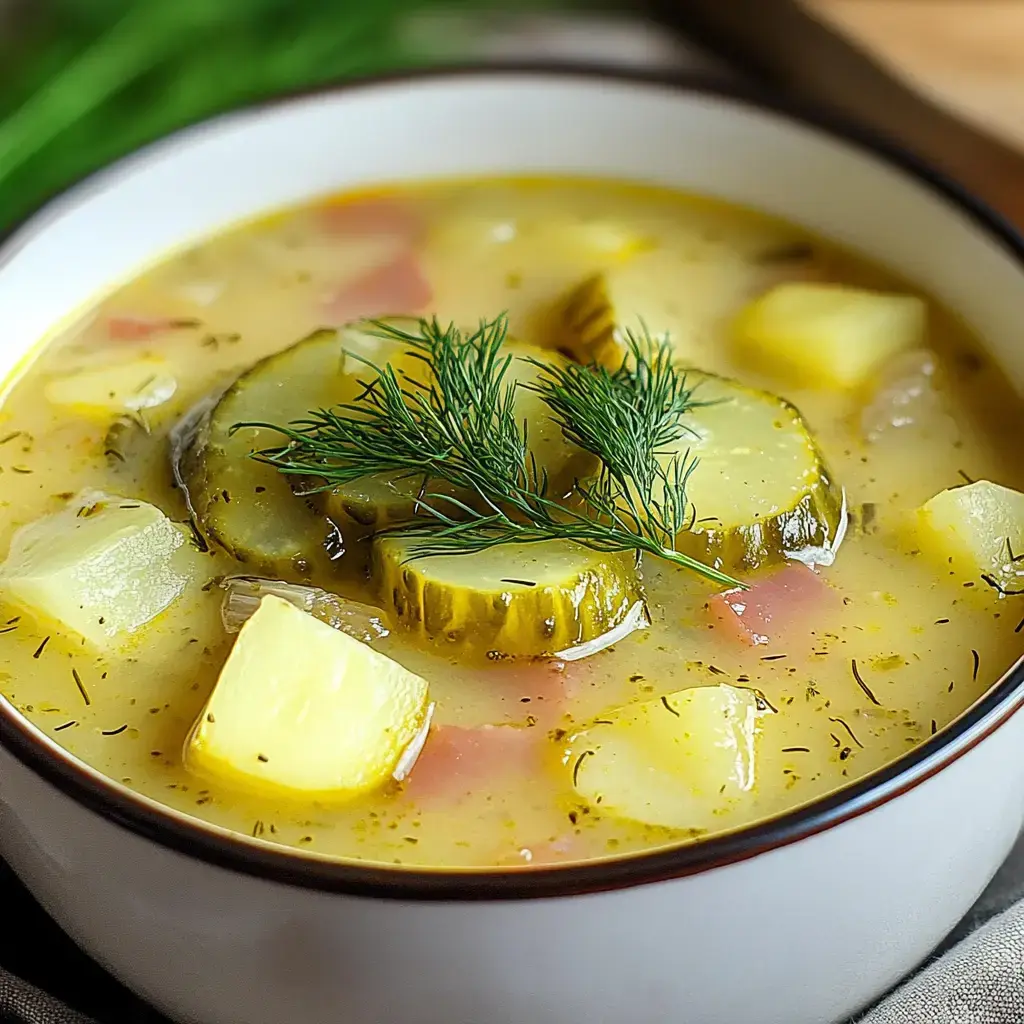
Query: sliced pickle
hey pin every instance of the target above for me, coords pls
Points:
(761, 491)
(243, 594)
(514, 599)
(563, 461)
(252, 510)
(375, 501)
(588, 325)
(245, 506)
(389, 499)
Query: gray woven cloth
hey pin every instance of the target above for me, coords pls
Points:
(21, 1003)
(979, 981)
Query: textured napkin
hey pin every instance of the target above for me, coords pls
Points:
(22, 1003)
(979, 981)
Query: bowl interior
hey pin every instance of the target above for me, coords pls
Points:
(229, 169)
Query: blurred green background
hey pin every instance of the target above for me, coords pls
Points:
(85, 81)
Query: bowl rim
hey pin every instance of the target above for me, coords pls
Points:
(236, 852)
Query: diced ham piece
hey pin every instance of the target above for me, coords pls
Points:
(456, 761)
(773, 606)
(394, 289)
(142, 328)
(374, 216)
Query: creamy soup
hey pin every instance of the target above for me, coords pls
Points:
(720, 519)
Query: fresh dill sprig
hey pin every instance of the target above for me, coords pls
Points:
(461, 429)
(629, 417)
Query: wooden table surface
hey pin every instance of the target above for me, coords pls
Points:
(965, 58)
(967, 55)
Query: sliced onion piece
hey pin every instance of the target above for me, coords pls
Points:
(412, 752)
(638, 617)
(243, 595)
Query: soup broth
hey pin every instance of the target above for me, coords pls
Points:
(872, 618)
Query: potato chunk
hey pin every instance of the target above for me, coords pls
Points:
(300, 706)
(978, 530)
(103, 566)
(681, 761)
(100, 392)
(828, 335)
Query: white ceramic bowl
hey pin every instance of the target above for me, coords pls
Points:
(799, 921)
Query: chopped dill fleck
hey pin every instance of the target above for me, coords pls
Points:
(715, 670)
(576, 766)
(521, 583)
(115, 732)
(773, 657)
(977, 664)
(668, 707)
(796, 750)
(935, 727)
(941, 622)
(81, 686)
(66, 725)
(8, 629)
(853, 736)
(10, 437)
(964, 477)
(864, 686)
(999, 588)
(1019, 626)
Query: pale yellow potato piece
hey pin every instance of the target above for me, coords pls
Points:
(303, 707)
(976, 530)
(685, 760)
(103, 567)
(828, 335)
(101, 392)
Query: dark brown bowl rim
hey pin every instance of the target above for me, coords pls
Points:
(282, 865)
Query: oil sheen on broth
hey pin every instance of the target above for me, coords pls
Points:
(725, 709)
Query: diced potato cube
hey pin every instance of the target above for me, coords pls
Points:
(103, 566)
(828, 335)
(300, 706)
(682, 761)
(100, 392)
(977, 530)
